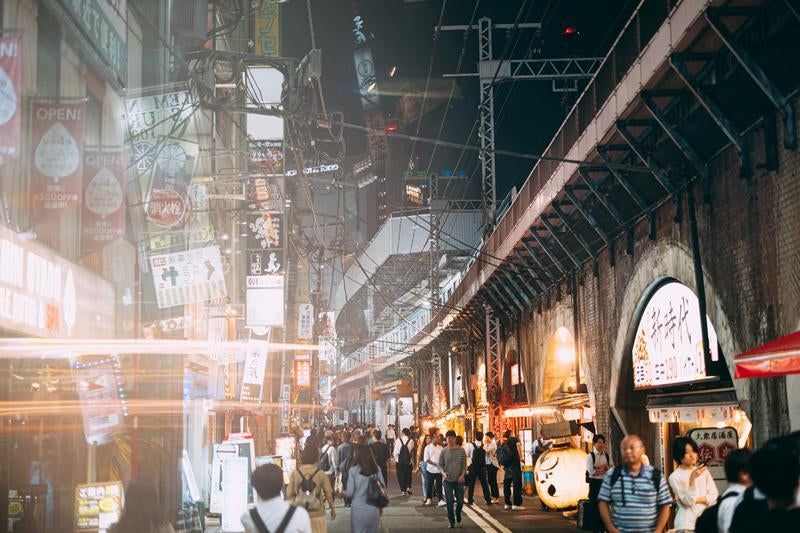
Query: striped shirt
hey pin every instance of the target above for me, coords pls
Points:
(642, 501)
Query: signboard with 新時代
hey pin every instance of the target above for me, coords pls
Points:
(187, 277)
(668, 346)
(103, 24)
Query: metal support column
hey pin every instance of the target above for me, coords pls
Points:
(493, 369)
(486, 130)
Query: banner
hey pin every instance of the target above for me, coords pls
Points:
(57, 142)
(266, 194)
(268, 29)
(103, 217)
(186, 277)
(255, 367)
(264, 231)
(10, 97)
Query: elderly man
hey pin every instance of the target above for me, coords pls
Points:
(634, 497)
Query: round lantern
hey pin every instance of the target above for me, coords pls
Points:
(559, 477)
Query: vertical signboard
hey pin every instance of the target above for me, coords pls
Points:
(57, 150)
(268, 29)
(305, 322)
(103, 217)
(265, 301)
(98, 506)
(255, 367)
(302, 371)
(98, 391)
(10, 97)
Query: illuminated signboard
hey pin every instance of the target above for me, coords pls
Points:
(265, 300)
(668, 346)
(98, 506)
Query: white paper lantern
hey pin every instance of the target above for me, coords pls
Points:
(559, 477)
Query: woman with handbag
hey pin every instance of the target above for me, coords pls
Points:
(365, 517)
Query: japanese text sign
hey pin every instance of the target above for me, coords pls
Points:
(103, 217)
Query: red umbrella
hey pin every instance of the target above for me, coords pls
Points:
(775, 358)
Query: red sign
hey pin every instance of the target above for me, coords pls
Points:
(302, 374)
(57, 169)
(103, 218)
(10, 97)
(166, 208)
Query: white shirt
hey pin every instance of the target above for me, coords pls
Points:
(600, 460)
(432, 453)
(330, 449)
(688, 509)
(409, 442)
(728, 506)
(491, 453)
(390, 434)
(272, 512)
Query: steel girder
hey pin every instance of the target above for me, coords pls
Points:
(520, 291)
(537, 261)
(547, 252)
(568, 191)
(554, 232)
(494, 354)
(606, 202)
(629, 188)
(714, 17)
(565, 219)
(693, 83)
(534, 275)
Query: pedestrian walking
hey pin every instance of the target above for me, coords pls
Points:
(327, 458)
(434, 484)
(510, 457)
(364, 518)
(403, 457)
(598, 463)
(717, 518)
(634, 497)
(390, 436)
(421, 466)
(310, 488)
(479, 463)
(453, 464)
(344, 456)
(493, 467)
(692, 485)
(382, 453)
(142, 513)
(271, 512)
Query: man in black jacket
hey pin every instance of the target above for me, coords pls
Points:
(381, 451)
(344, 458)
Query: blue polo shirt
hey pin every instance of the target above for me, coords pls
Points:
(642, 502)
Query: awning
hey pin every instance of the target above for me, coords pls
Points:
(775, 358)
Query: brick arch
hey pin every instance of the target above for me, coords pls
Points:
(666, 259)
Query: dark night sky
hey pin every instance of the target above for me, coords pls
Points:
(403, 37)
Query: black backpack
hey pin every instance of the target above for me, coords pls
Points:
(376, 492)
(324, 459)
(616, 474)
(749, 513)
(262, 527)
(404, 457)
(707, 521)
(505, 455)
(594, 458)
(479, 456)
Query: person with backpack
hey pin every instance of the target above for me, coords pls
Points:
(510, 457)
(493, 466)
(309, 488)
(717, 518)
(271, 513)
(344, 455)
(327, 459)
(692, 485)
(403, 458)
(364, 517)
(598, 462)
(381, 452)
(634, 497)
(480, 461)
(538, 447)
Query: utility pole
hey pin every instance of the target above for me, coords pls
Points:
(566, 71)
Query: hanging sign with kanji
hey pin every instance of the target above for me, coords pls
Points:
(103, 217)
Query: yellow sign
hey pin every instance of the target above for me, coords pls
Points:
(268, 29)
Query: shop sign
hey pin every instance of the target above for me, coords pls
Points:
(265, 194)
(302, 371)
(265, 301)
(240, 448)
(98, 506)
(10, 97)
(103, 23)
(263, 262)
(103, 217)
(267, 156)
(305, 321)
(99, 392)
(714, 445)
(187, 277)
(264, 231)
(43, 294)
(668, 347)
(57, 170)
(166, 208)
(255, 367)
(268, 29)
(712, 413)
(321, 169)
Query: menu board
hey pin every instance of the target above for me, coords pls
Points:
(98, 506)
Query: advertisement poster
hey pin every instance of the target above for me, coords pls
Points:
(262, 262)
(98, 506)
(103, 217)
(57, 148)
(264, 231)
(255, 367)
(186, 277)
(242, 448)
(267, 156)
(103, 411)
(10, 97)
(265, 301)
(265, 194)
(668, 349)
